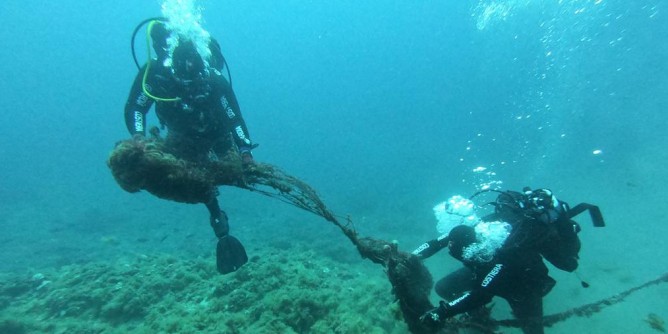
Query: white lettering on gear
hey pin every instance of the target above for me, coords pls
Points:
(139, 121)
(495, 271)
(241, 134)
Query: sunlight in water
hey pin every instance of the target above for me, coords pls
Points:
(490, 12)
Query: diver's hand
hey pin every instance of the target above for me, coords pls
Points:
(138, 137)
(247, 158)
(246, 155)
(435, 318)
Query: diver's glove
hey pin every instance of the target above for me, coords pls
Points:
(246, 155)
(139, 136)
(435, 318)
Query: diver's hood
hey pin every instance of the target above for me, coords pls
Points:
(460, 237)
(187, 63)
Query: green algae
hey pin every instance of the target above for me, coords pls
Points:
(278, 291)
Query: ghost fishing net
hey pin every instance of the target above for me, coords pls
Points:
(145, 164)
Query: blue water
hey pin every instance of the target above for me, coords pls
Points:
(385, 107)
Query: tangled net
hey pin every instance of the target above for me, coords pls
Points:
(144, 164)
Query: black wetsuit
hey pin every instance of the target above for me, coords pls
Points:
(515, 274)
(205, 119)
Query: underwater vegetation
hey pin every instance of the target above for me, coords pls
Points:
(279, 291)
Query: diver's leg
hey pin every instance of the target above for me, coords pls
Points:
(230, 253)
(530, 312)
(219, 221)
(218, 218)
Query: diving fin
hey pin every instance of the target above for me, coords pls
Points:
(230, 254)
(594, 213)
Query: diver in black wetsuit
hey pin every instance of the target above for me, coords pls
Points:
(534, 225)
(517, 275)
(197, 105)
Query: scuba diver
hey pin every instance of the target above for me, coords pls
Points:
(197, 105)
(503, 253)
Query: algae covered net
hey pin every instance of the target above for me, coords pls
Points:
(146, 164)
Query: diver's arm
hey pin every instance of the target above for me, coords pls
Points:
(467, 302)
(235, 120)
(479, 295)
(137, 106)
(431, 247)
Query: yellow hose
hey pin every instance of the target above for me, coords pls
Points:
(148, 67)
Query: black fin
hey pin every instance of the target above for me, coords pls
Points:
(594, 213)
(230, 254)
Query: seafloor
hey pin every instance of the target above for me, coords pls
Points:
(278, 291)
